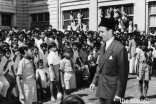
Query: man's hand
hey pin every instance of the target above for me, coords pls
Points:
(92, 87)
(130, 56)
(63, 86)
(22, 97)
(117, 98)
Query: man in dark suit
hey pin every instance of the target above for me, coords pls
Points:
(112, 71)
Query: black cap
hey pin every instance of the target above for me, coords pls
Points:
(109, 23)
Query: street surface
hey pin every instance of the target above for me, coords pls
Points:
(132, 92)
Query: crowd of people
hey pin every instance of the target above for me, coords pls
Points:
(38, 64)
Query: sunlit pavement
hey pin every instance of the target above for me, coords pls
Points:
(132, 92)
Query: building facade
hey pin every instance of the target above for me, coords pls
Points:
(41, 13)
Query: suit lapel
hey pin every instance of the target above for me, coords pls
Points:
(104, 57)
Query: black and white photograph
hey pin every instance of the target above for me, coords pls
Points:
(77, 51)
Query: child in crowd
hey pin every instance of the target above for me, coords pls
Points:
(144, 57)
(36, 56)
(26, 77)
(44, 54)
(15, 57)
(67, 72)
(54, 62)
(42, 77)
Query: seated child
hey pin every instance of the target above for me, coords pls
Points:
(4, 81)
(9, 71)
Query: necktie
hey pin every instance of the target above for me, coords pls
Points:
(104, 47)
(14, 59)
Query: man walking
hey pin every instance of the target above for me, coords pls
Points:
(112, 71)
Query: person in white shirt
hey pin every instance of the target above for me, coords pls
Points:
(138, 49)
(54, 63)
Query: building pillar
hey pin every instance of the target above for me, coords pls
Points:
(61, 20)
(0, 20)
(139, 14)
(53, 13)
(59, 15)
(93, 15)
(147, 17)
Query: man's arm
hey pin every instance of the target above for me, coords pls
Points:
(130, 44)
(123, 70)
(19, 84)
(96, 76)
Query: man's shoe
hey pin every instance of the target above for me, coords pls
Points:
(53, 99)
(142, 98)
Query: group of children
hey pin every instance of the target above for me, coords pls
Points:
(36, 65)
(39, 64)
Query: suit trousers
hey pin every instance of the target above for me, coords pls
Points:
(108, 101)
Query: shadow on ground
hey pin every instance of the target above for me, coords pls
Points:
(82, 95)
(152, 96)
(95, 98)
(129, 97)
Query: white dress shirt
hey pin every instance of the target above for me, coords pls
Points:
(109, 42)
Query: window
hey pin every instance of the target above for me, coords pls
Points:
(40, 20)
(129, 8)
(66, 17)
(152, 15)
(40, 17)
(37, 0)
(34, 17)
(6, 19)
(46, 16)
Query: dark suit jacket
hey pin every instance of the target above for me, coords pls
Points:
(111, 75)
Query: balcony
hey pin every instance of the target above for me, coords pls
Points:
(66, 1)
(7, 1)
(37, 0)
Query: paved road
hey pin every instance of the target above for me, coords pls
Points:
(131, 92)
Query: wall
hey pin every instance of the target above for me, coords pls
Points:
(54, 13)
(8, 6)
(22, 16)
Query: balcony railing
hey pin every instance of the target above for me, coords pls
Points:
(37, 0)
(71, 0)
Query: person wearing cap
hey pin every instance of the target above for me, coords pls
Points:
(112, 71)
(144, 58)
